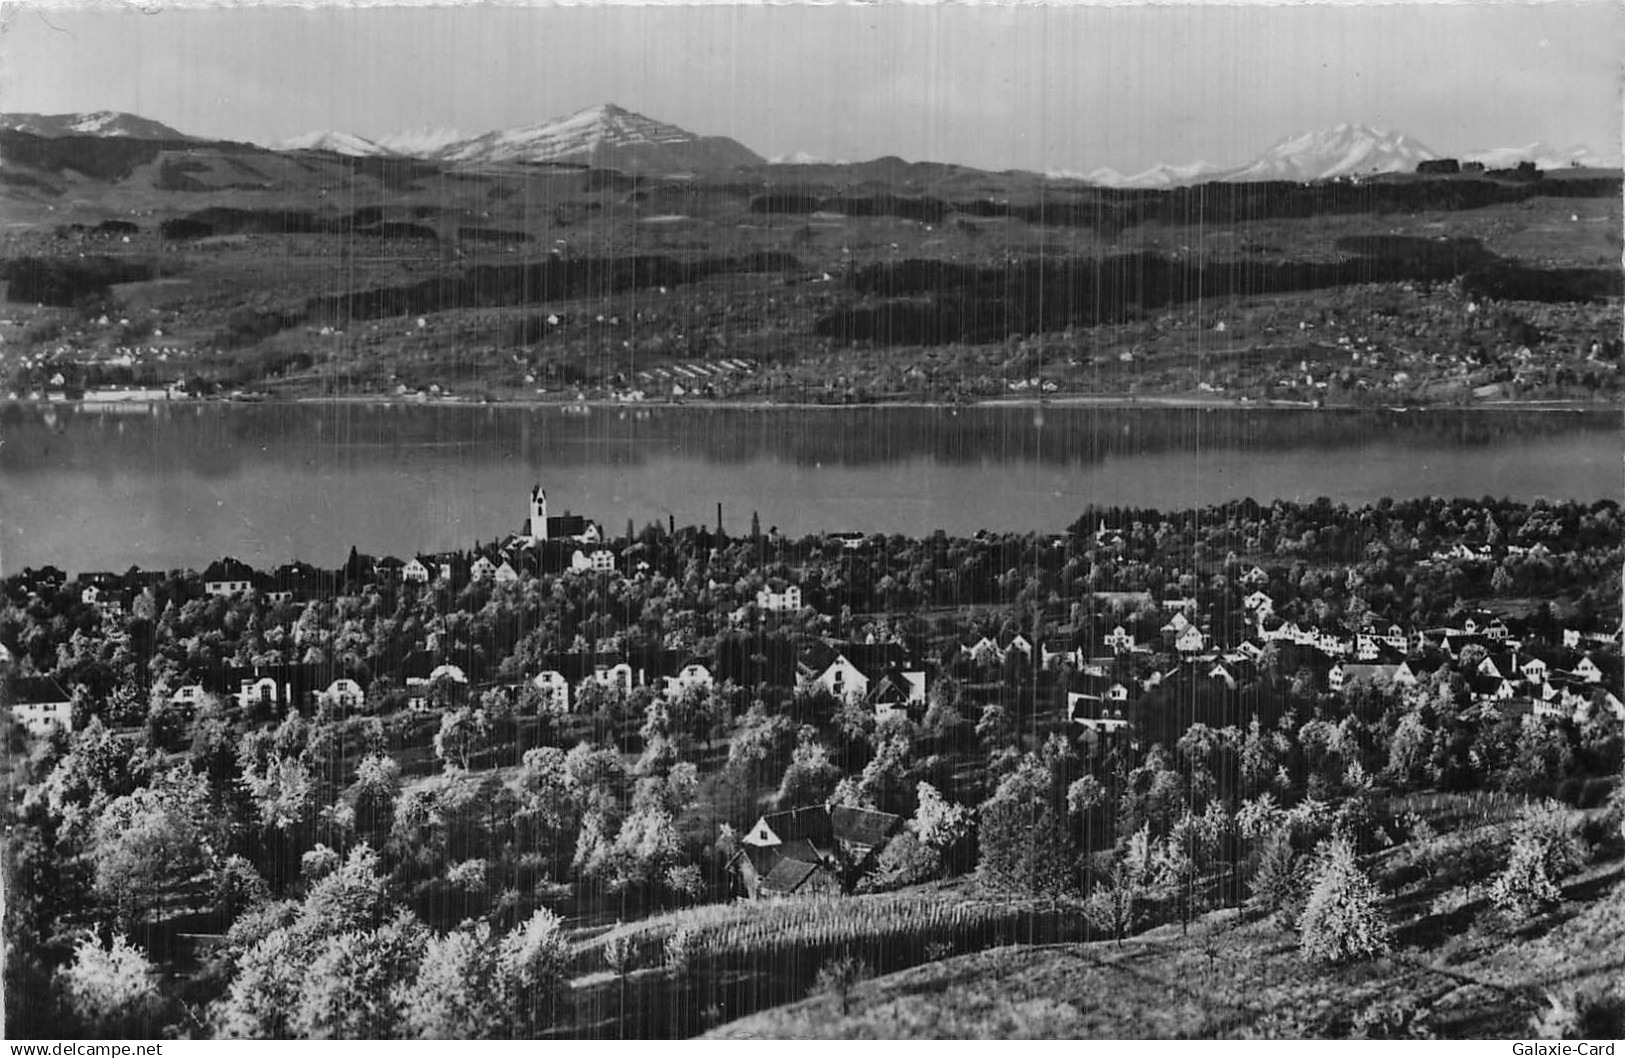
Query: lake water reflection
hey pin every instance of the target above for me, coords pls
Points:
(181, 484)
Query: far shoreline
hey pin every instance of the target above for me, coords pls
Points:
(1171, 402)
(1063, 402)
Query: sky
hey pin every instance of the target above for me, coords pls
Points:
(1039, 87)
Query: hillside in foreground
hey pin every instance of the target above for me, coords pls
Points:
(1235, 977)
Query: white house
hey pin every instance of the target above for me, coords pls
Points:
(610, 677)
(226, 577)
(1259, 604)
(191, 695)
(694, 675)
(603, 561)
(262, 690)
(417, 688)
(1249, 650)
(1093, 713)
(1588, 670)
(415, 572)
(448, 672)
(897, 690)
(788, 600)
(842, 679)
(343, 694)
(1119, 640)
(1190, 641)
(984, 651)
(482, 568)
(555, 690)
(39, 704)
(506, 574)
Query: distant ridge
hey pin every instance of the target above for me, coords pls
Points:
(1544, 156)
(337, 142)
(1344, 150)
(1341, 151)
(93, 123)
(605, 136)
(611, 137)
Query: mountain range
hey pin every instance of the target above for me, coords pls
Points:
(612, 137)
(604, 136)
(95, 123)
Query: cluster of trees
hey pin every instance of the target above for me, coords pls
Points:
(332, 874)
(1272, 812)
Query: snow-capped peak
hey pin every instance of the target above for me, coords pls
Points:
(337, 142)
(91, 123)
(95, 122)
(1161, 175)
(1343, 150)
(573, 137)
(604, 135)
(422, 142)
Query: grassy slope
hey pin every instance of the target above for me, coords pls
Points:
(1233, 977)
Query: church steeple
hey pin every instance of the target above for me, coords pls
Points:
(538, 513)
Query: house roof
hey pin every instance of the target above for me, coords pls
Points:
(891, 687)
(228, 569)
(816, 656)
(872, 658)
(811, 823)
(800, 849)
(1082, 683)
(297, 678)
(656, 661)
(862, 826)
(35, 690)
(566, 524)
(788, 875)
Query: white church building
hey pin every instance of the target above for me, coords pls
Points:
(573, 527)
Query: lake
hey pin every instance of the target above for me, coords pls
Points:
(173, 485)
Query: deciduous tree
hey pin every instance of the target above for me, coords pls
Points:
(1341, 921)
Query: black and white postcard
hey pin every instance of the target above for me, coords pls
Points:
(884, 521)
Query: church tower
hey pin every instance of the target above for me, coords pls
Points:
(538, 514)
